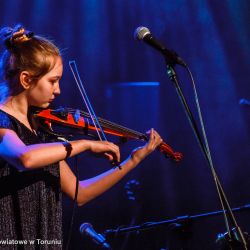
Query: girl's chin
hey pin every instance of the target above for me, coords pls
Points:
(43, 106)
(46, 105)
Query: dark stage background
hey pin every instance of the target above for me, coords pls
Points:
(213, 37)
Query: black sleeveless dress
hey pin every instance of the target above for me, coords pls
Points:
(30, 201)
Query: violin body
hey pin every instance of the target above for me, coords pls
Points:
(83, 123)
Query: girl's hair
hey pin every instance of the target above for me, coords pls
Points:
(24, 52)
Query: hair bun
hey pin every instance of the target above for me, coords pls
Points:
(17, 35)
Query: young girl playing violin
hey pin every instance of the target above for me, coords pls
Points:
(33, 170)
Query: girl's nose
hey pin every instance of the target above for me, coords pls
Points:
(57, 90)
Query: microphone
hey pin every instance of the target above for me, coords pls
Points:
(88, 230)
(143, 33)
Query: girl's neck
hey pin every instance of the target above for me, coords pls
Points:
(16, 106)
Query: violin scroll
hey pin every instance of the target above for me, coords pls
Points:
(169, 153)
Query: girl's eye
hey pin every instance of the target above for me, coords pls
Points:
(54, 81)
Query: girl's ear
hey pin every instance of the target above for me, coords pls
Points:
(25, 79)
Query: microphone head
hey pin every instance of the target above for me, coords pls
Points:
(141, 32)
(84, 227)
(88, 230)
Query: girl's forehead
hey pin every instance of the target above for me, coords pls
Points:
(57, 68)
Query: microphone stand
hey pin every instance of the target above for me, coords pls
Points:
(178, 222)
(227, 211)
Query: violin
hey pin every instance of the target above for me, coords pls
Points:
(81, 120)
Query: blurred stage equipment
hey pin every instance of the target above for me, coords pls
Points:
(132, 187)
(226, 243)
(171, 59)
(244, 102)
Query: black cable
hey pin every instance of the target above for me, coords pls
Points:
(220, 191)
(74, 203)
(223, 199)
(205, 149)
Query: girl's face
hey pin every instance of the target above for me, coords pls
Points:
(44, 91)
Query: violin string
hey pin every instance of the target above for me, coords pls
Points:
(112, 125)
(115, 126)
(86, 100)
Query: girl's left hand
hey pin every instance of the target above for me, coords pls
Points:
(140, 153)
